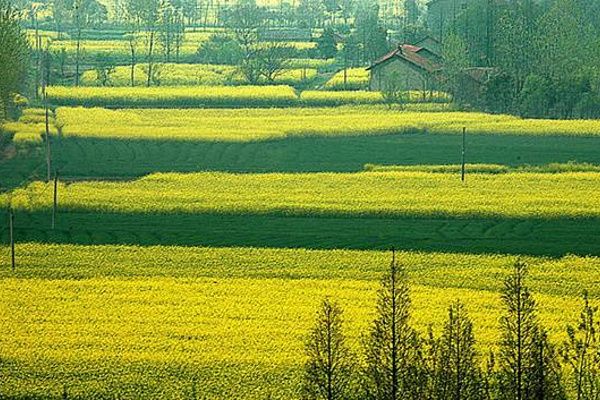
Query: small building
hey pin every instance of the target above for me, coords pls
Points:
(416, 67)
(472, 84)
(431, 47)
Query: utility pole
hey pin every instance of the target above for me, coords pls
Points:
(11, 223)
(346, 64)
(48, 155)
(47, 116)
(464, 142)
(55, 202)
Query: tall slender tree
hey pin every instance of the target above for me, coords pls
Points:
(458, 376)
(581, 352)
(393, 350)
(527, 363)
(328, 370)
(547, 374)
(369, 31)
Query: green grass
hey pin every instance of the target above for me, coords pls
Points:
(151, 322)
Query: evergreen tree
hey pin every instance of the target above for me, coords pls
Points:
(393, 351)
(519, 331)
(370, 34)
(326, 44)
(311, 13)
(457, 375)
(328, 370)
(547, 374)
(411, 12)
(581, 351)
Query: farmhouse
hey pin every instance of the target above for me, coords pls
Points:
(420, 67)
(417, 68)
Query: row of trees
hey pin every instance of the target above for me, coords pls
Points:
(291, 13)
(546, 53)
(14, 58)
(398, 363)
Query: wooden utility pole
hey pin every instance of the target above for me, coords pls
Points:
(55, 203)
(464, 142)
(345, 64)
(11, 223)
(47, 119)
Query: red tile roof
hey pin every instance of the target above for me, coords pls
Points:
(409, 53)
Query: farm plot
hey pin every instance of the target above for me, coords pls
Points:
(266, 124)
(193, 75)
(160, 322)
(118, 50)
(528, 213)
(385, 194)
(134, 142)
(170, 97)
(352, 79)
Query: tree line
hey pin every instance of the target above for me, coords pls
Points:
(545, 55)
(399, 363)
(14, 59)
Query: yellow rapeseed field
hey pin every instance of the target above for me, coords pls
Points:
(152, 321)
(193, 74)
(518, 194)
(257, 124)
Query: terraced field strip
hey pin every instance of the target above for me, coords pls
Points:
(194, 75)
(267, 124)
(385, 194)
(89, 317)
(79, 156)
(515, 212)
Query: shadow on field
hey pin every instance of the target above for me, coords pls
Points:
(90, 157)
(552, 237)
(20, 165)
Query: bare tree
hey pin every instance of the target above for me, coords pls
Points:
(328, 370)
(272, 60)
(78, 11)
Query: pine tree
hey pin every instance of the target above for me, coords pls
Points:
(520, 331)
(458, 376)
(393, 352)
(582, 353)
(328, 370)
(546, 374)
(529, 367)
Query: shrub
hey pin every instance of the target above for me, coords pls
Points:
(220, 49)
